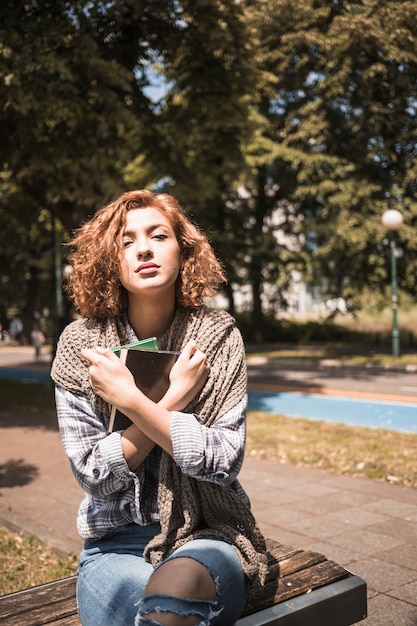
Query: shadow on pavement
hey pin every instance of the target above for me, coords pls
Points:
(17, 473)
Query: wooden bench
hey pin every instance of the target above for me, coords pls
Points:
(303, 588)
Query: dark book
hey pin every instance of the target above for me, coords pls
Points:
(151, 369)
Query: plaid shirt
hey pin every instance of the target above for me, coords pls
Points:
(114, 495)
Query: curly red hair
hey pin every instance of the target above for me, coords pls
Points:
(94, 284)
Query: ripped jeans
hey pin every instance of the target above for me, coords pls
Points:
(113, 575)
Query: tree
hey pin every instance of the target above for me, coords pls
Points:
(72, 86)
(339, 135)
(72, 78)
(276, 117)
(77, 121)
(26, 259)
(195, 142)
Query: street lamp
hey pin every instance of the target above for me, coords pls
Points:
(392, 220)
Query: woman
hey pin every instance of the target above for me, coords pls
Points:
(169, 536)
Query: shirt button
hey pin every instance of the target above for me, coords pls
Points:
(96, 472)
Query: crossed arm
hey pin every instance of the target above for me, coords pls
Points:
(151, 422)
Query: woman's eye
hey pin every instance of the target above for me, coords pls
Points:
(159, 236)
(126, 243)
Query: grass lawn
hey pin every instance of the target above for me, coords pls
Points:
(28, 396)
(354, 450)
(26, 562)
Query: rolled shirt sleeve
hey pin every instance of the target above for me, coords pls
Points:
(214, 453)
(96, 457)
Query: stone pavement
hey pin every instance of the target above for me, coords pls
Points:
(368, 526)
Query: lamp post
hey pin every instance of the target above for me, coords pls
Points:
(392, 220)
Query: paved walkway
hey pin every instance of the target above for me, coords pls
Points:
(370, 527)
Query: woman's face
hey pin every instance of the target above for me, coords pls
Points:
(151, 256)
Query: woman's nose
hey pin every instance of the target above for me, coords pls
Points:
(143, 251)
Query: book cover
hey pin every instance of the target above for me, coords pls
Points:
(149, 344)
(150, 369)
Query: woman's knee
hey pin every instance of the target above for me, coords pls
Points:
(180, 592)
(182, 577)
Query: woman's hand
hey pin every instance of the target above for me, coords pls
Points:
(112, 380)
(187, 378)
(109, 377)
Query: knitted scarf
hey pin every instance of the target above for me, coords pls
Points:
(188, 508)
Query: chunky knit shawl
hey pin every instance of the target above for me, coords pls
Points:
(188, 508)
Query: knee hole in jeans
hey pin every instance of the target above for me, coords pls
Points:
(180, 592)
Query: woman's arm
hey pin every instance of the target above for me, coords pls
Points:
(213, 454)
(96, 456)
(113, 381)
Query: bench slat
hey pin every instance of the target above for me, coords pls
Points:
(284, 560)
(294, 584)
(291, 572)
(51, 603)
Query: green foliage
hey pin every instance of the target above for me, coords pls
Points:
(292, 332)
(328, 333)
(72, 100)
(286, 129)
(339, 136)
(203, 114)
(26, 259)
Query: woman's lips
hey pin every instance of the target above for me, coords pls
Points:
(147, 268)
